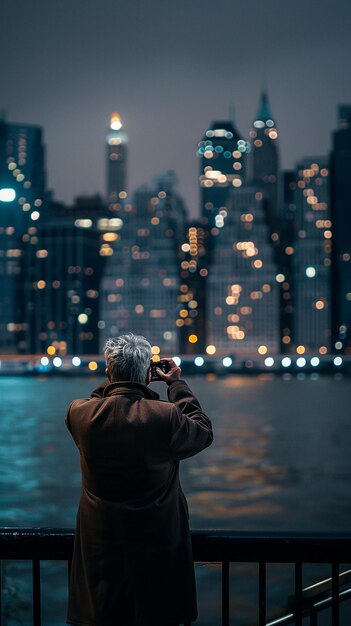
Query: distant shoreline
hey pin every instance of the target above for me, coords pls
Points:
(17, 365)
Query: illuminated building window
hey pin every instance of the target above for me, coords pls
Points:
(41, 254)
(320, 304)
(193, 338)
(110, 237)
(156, 313)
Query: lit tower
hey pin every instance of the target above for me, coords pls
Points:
(222, 167)
(265, 157)
(116, 144)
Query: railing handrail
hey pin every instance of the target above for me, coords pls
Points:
(313, 598)
(214, 546)
(208, 545)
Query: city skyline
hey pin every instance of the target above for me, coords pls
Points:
(78, 279)
(169, 73)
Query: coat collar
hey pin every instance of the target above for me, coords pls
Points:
(128, 388)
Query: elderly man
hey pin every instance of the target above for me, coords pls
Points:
(132, 559)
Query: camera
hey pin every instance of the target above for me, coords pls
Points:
(162, 364)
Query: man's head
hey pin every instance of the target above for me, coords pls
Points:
(127, 358)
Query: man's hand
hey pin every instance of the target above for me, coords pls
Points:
(173, 374)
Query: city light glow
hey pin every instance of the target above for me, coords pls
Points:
(193, 338)
(57, 361)
(310, 272)
(337, 361)
(7, 194)
(177, 360)
(76, 361)
(211, 349)
(227, 361)
(115, 123)
(262, 350)
(301, 361)
(315, 361)
(286, 361)
(280, 278)
(269, 361)
(199, 361)
(93, 366)
(44, 361)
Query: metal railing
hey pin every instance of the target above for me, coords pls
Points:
(212, 546)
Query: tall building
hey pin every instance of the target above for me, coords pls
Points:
(242, 288)
(284, 251)
(62, 293)
(140, 286)
(194, 260)
(116, 162)
(222, 153)
(341, 216)
(264, 157)
(22, 172)
(311, 259)
(222, 166)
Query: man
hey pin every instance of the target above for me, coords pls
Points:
(132, 559)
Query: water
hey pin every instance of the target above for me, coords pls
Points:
(280, 461)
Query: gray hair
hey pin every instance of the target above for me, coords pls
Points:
(128, 357)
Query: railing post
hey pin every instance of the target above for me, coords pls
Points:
(262, 593)
(225, 593)
(36, 593)
(335, 594)
(298, 593)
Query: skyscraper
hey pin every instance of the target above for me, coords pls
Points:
(341, 216)
(242, 288)
(63, 293)
(222, 166)
(311, 258)
(194, 260)
(22, 170)
(140, 286)
(116, 162)
(264, 157)
(222, 153)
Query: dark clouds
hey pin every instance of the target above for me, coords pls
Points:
(169, 68)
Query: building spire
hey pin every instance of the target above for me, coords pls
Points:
(264, 111)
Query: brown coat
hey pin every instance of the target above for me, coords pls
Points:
(132, 534)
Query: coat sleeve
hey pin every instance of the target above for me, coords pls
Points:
(191, 429)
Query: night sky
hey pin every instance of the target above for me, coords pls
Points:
(169, 68)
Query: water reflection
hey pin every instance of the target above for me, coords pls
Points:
(280, 458)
